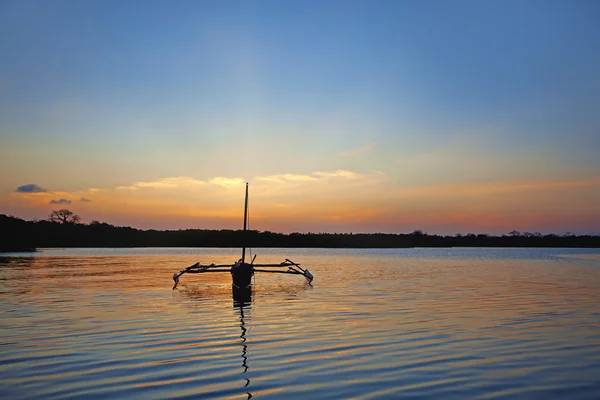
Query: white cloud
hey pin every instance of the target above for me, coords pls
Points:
(338, 174)
(222, 181)
(286, 178)
(163, 183)
(319, 176)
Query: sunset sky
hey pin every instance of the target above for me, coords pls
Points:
(344, 116)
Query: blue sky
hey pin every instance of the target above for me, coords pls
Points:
(106, 94)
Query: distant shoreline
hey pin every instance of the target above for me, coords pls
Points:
(30, 250)
(17, 235)
(581, 256)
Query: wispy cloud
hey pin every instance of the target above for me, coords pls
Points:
(318, 176)
(180, 182)
(338, 174)
(30, 188)
(286, 178)
(524, 187)
(163, 183)
(339, 199)
(60, 201)
(221, 181)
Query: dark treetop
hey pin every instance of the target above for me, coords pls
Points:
(20, 235)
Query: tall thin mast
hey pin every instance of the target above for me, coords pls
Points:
(245, 225)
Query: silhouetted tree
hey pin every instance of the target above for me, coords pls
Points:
(19, 235)
(64, 216)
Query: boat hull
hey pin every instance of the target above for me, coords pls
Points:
(241, 275)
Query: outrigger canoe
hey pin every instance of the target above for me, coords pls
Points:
(241, 271)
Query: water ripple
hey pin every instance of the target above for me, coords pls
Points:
(375, 325)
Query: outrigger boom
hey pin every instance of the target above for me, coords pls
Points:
(289, 267)
(242, 272)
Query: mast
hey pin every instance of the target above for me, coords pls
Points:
(245, 225)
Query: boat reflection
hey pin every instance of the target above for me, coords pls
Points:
(242, 301)
(242, 297)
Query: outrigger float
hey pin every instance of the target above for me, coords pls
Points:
(241, 271)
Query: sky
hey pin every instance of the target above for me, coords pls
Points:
(343, 116)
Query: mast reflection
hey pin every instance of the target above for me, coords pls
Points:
(242, 300)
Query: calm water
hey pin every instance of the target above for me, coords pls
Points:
(406, 323)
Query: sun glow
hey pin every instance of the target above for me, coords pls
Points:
(332, 201)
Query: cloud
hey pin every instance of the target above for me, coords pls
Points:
(318, 176)
(30, 188)
(221, 181)
(163, 183)
(188, 183)
(338, 200)
(60, 201)
(338, 174)
(283, 178)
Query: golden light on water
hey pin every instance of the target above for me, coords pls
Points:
(103, 320)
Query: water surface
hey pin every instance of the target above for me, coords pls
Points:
(385, 323)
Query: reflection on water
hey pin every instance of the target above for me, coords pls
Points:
(374, 325)
(242, 297)
(242, 300)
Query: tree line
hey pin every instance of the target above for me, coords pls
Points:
(63, 229)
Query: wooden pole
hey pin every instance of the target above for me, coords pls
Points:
(293, 272)
(245, 225)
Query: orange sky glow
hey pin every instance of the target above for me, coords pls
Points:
(333, 201)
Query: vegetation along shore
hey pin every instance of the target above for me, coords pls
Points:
(66, 231)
